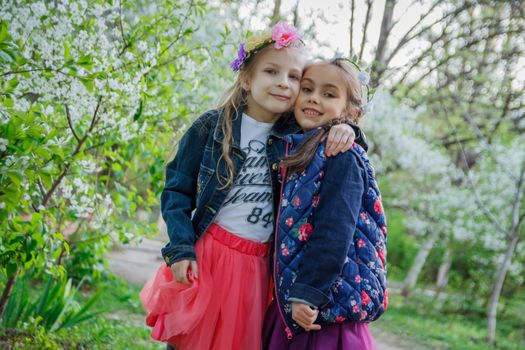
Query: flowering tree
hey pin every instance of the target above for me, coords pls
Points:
(92, 95)
(482, 207)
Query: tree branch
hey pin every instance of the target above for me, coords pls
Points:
(57, 182)
(352, 13)
(408, 36)
(70, 123)
(365, 27)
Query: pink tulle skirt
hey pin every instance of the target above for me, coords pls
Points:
(224, 308)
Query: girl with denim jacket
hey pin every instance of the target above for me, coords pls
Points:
(218, 204)
(330, 241)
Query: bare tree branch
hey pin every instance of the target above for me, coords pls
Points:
(365, 27)
(352, 13)
(409, 36)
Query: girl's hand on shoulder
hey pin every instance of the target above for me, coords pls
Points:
(305, 316)
(340, 139)
(185, 271)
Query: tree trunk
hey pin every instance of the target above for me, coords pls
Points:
(276, 16)
(386, 23)
(352, 13)
(296, 19)
(7, 291)
(514, 235)
(492, 307)
(369, 4)
(444, 268)
(442, 277)
(417, 265)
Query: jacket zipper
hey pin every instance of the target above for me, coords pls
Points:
(287, 329)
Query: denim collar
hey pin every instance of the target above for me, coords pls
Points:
(294, 139)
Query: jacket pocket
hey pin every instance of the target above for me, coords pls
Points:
(203, 179)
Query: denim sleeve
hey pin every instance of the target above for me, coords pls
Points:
(178, 197)
(334, 223)
(360, 137)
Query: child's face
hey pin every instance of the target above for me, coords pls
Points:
(322, 98)
(273, 84)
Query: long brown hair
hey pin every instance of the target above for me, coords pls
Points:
(353, 113)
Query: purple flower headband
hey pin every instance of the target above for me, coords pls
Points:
(282, 35)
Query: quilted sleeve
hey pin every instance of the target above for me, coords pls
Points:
(334, 224)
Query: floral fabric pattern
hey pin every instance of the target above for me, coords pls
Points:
(359, 293)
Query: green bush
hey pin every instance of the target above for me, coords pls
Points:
(401, 247)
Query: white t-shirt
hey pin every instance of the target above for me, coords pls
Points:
(248, 208)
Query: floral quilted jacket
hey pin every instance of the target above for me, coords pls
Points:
(330, 243)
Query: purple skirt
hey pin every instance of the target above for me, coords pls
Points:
(344, 336)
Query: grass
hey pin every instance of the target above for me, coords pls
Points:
(420, 323)
(124, 320)
(121, 326)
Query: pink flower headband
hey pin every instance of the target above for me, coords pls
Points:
(282, 35)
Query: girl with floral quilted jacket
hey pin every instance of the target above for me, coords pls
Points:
(330, 243)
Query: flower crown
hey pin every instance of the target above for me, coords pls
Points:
(282, 35)
(364, 79)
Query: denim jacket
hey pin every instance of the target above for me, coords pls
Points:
(193, 195)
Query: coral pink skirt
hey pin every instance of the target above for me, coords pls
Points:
(224, 308)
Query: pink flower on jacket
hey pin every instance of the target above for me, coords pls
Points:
(358, 279)
(363, 315)
(296, 201)
(305, 231)
(355, 309)
(284, 250)
(361, 243)
(340, 319)
(284, 35)
(289, 222)
(315, 201)
(378, 207)
(365, 299)
(381, 255)
(383, 229)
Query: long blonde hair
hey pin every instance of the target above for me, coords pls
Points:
(231, 102)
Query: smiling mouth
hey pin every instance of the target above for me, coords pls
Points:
(311, 112)
(281, 97)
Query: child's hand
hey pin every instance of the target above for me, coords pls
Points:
(340, 139)
(305, 316)
(185, 271)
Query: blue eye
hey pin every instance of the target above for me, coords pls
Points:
(295, 77)
(305, 89)
(329, 95)
(270, 71)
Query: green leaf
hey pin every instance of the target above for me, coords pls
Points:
(3, 31)
(11, 268)
(88, 83)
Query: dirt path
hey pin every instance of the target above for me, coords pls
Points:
(137, 263)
